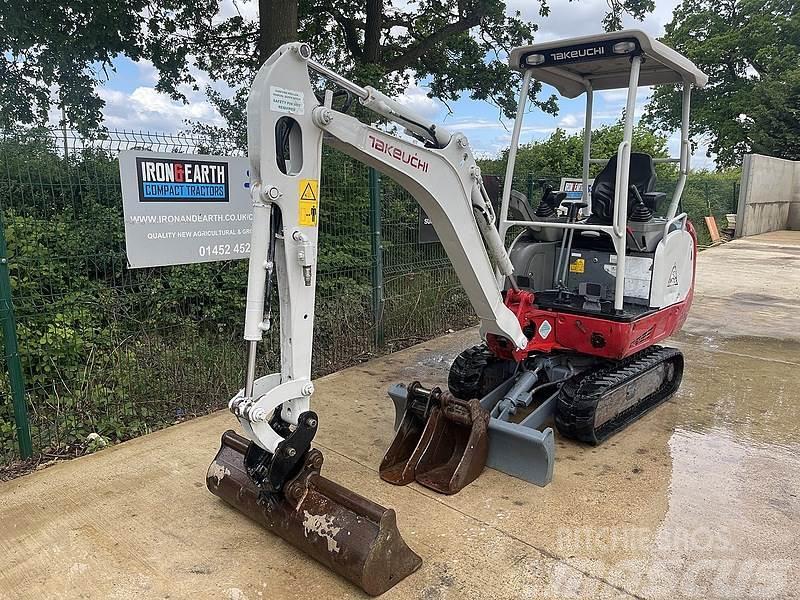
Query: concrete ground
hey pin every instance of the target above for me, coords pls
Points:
(700, 499)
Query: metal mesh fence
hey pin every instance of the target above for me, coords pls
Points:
(121, 352)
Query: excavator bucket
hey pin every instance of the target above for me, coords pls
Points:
(399, 464)
(349, 534)
(458, 447)
(441, 441)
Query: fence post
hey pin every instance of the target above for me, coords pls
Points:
(13, 363)
(377, 254)
(530, 187)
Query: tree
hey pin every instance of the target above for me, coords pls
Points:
(55, 53)
(69, 46)
(455, 46)
(751, 51)
(561, 154)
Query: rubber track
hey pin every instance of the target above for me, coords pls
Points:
(580, 396)
(476, 372)
(464, 378)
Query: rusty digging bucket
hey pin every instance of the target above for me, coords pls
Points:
(347, 533)
(441, 441)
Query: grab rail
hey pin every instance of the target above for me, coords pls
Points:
(620, 201)
(683, 216)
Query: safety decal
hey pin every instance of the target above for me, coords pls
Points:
(286, 101)
(673, 277)
(544, 329)
(577, 266)
(308, 190)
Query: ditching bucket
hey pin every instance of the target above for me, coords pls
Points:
(349, 534)
(441, 441)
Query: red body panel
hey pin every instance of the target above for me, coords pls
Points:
(588, 335)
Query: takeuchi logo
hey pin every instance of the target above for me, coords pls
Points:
(398, 153)
(585, 52)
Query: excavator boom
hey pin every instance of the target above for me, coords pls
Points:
(286, 124)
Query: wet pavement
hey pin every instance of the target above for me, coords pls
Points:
(698, 499)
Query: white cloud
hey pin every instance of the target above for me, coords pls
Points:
(467, 124)
(147, 72)
(614, 96)
(584, 17)
(416, 99)
(494, 147)
(620, 97)
(569, 121)
(145, 108)
(230, 8)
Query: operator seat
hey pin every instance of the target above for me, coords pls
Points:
(642, 175)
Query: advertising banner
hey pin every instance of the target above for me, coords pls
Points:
(574, 187)
(184, 208)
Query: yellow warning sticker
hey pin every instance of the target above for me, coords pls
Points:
(578, 266)
(308, 190)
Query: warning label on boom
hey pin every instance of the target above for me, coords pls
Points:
(286, 101)
(309, 202)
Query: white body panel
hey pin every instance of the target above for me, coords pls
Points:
(673, 269)
(638, 275)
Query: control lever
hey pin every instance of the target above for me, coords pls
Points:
(641, 212)
(550, 202)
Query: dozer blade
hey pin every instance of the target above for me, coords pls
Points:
(521, 451)
(441, 441)
(524, 449)
(349, 534)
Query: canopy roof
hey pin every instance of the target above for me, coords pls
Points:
(566, 64)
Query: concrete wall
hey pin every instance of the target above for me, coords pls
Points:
(769, 196)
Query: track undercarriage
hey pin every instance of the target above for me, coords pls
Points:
(588, 399)
(597, 404)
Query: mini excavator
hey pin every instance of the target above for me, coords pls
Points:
(570, 314)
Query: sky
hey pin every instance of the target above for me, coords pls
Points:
(132, 102)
